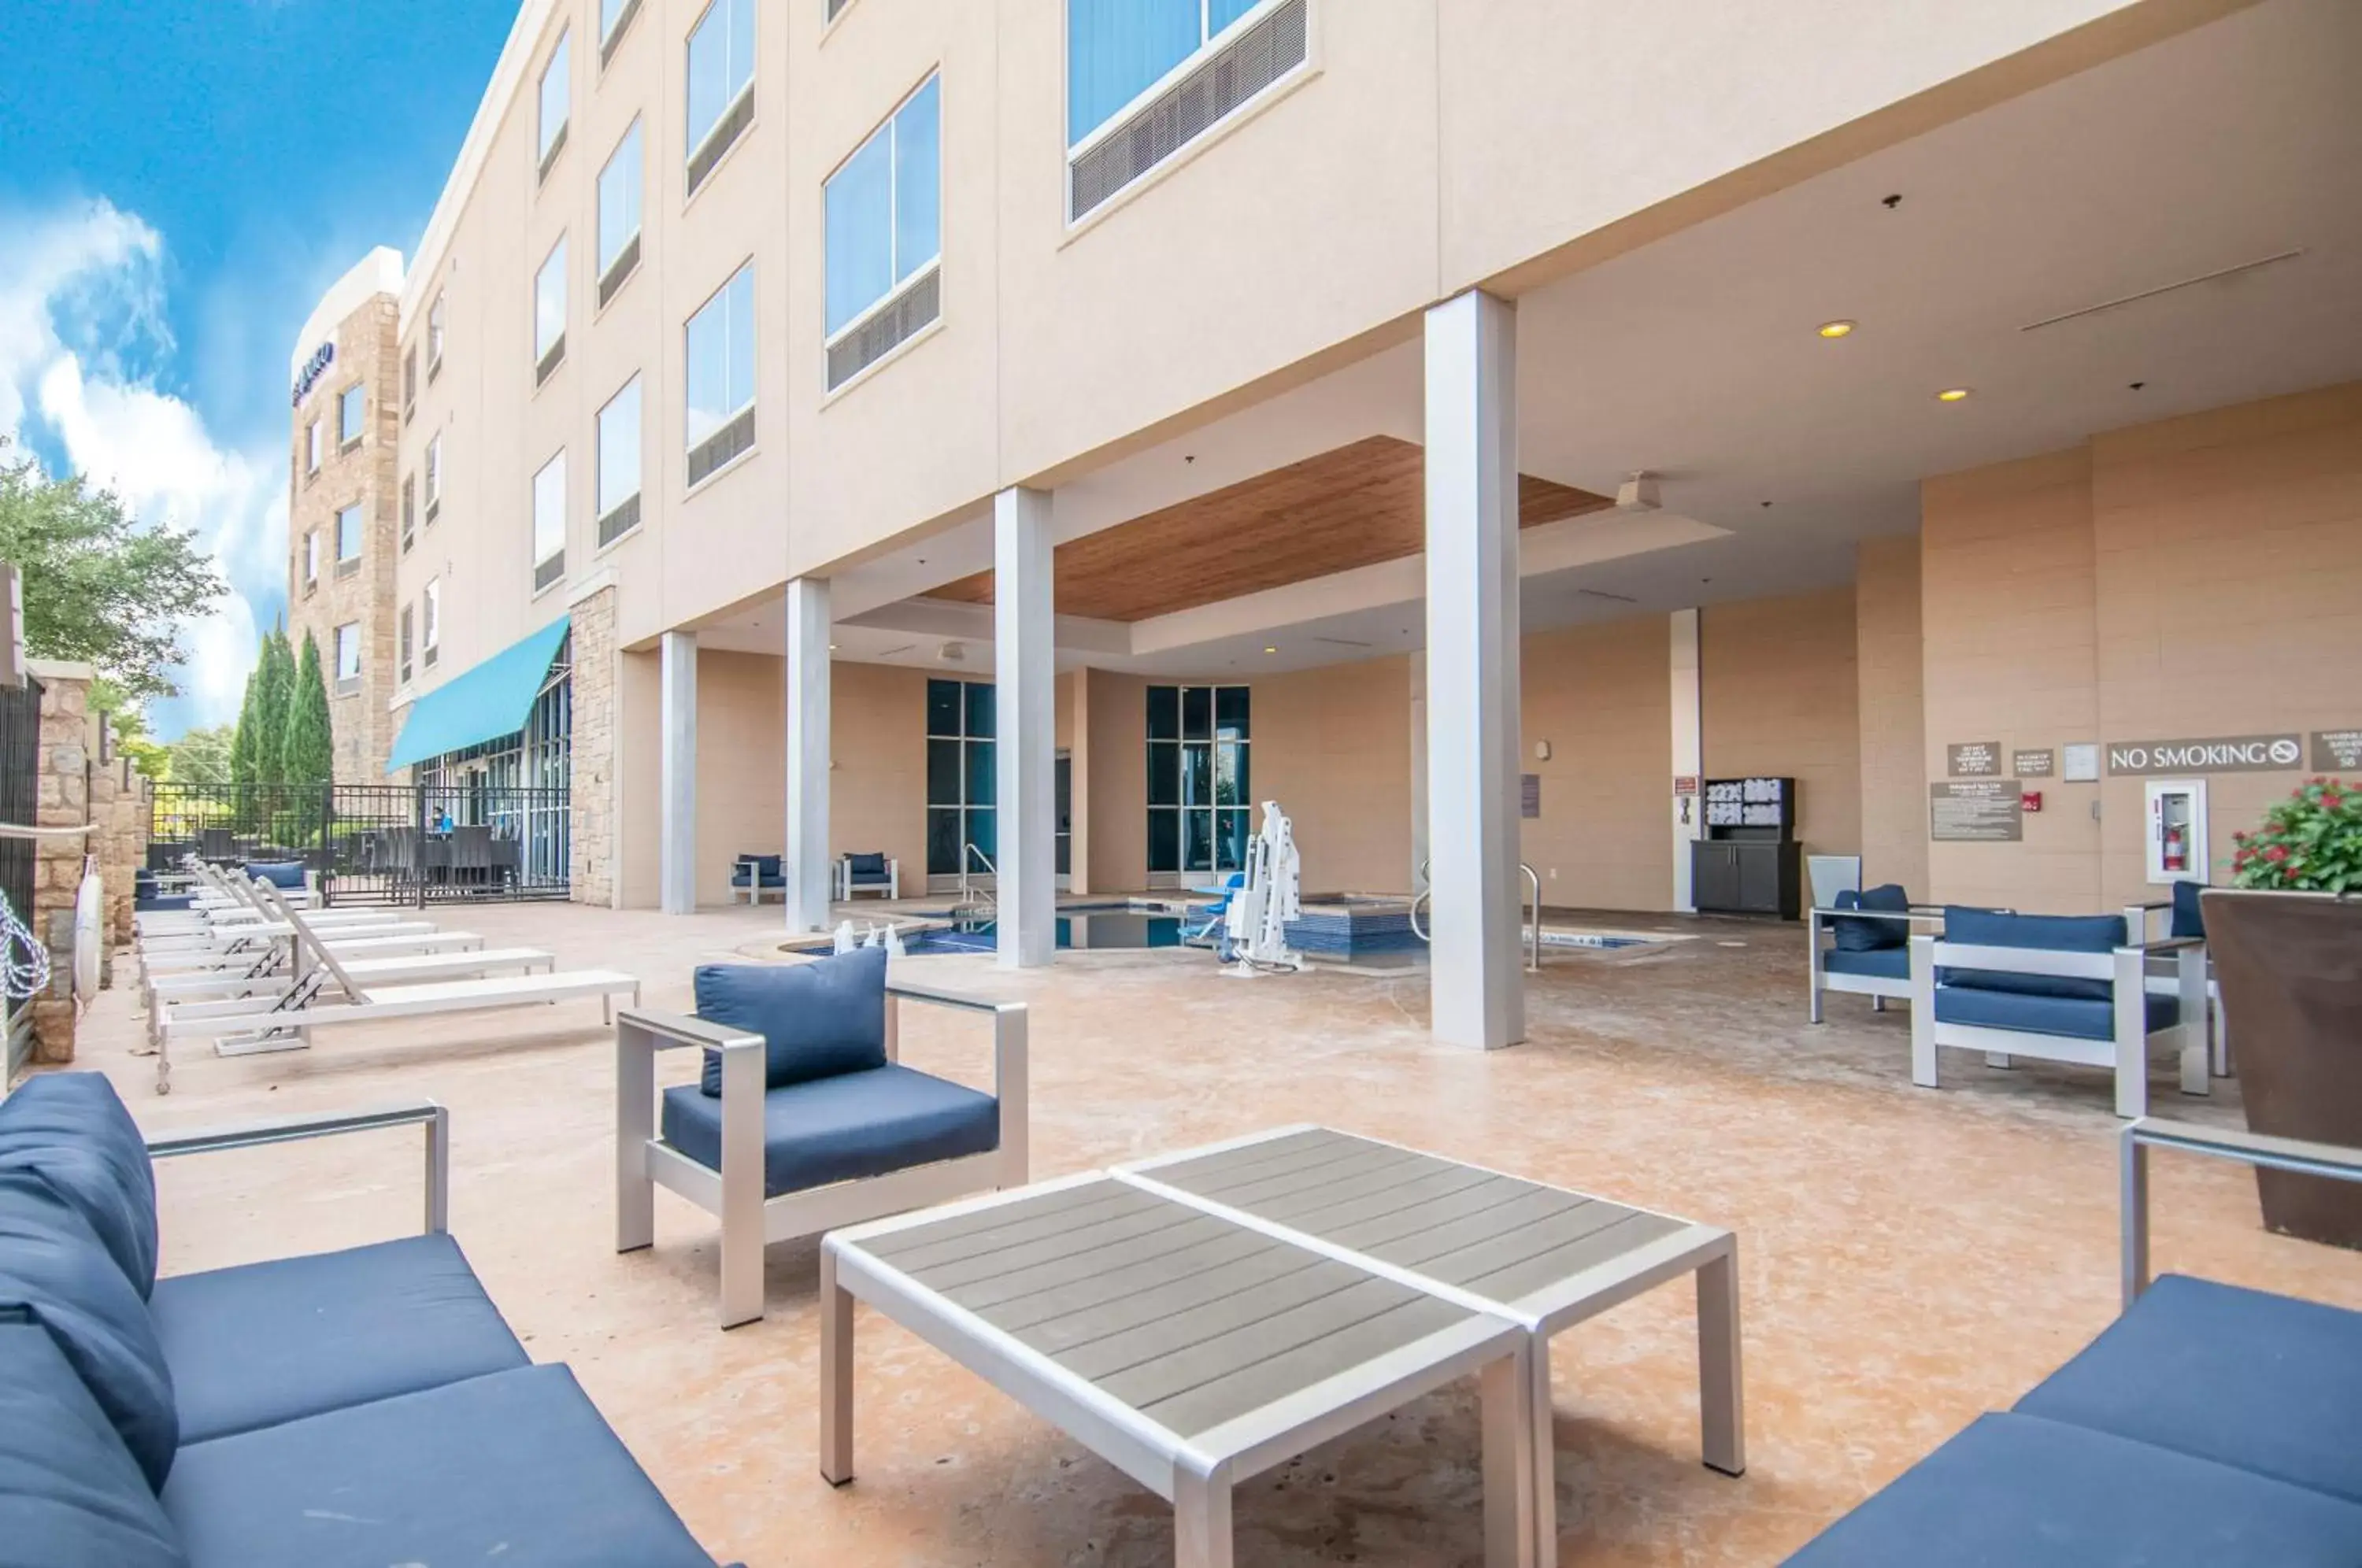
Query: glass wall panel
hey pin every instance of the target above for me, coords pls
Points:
(1231, 712)
(1164, 713)
(944, 770)
(943, 707)
(1164, 841)
(1164, 774)
(1197, 713)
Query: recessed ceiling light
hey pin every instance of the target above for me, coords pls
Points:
(1835, 328)
(1271, 650)
(831, 648)
(1951, 395)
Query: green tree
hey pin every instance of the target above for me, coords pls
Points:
(98, 587)
(248, 735)
(274, 687)
(201, 757)
(307, 750)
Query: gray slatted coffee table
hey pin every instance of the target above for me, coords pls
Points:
(1542, 1256)
(1188, 1350)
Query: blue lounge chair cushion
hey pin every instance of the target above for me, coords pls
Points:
(817, 1019)
(1872, 935)
(843, 1128)
(1884, 964)
(273, 1341)
(2017, 1491)
(277, 873)
(2267, 1382)
(2078, 1018)
(758, 869)
(71, 1496)
(517, 1467)
(2056, 933)
(55, 1272)
(73, 1131)
(2189, 919)
(865, 867)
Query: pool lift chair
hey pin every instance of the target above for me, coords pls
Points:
(1254, 924)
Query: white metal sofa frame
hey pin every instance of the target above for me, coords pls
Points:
(843, 876)
(753, 890)
(735, 1194)
(1820, 922)
(2263, 1150)
(2125, 968)
(2141, 918)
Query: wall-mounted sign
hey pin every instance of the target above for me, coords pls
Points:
(1973, 759)
(2080, 764)
(2336, 751)
(314, 369)
(2034, 764)
(1685, 783)
(2226, 754)
(1529, 795)
(1983, 812)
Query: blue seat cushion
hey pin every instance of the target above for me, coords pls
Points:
(2078, 1018)
(817, 1019)
(2056, 933)
(71, 1129)
(1872, 935)
(2017, 1491)
(763, 868)
(2267, 1382)
(71, 1496)
(2189, 919)
(513, 1469)
(277, 873)
(1884, 964)
(55, 1272)
(865, 867)
(268, 1343)
(843, 1128)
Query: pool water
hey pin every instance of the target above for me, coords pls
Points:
(1102, 930)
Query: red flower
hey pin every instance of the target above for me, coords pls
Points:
(2332, 799)
(2275, 853)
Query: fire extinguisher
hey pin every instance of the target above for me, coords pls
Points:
(2177, 853)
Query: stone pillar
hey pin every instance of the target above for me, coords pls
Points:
(809, 871)
(63, 800)
(590, 872)
(676, 875)
(1477, 978)
(1025, 745)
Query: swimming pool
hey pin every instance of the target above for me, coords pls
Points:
(1096, 930)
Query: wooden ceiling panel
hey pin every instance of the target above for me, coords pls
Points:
(1355, 506)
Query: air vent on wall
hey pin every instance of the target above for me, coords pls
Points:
(711, 455)
(895, 324)
(718, 140)
(549, 571)
(1195, 105)
(618, 521)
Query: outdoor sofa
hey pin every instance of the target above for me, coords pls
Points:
(348, 1409)
(2210, 1426)
(1861, 946)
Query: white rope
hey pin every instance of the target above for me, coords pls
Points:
(27, 976)
(19, 830)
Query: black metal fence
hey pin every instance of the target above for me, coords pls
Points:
(411, 844)
(20, 760)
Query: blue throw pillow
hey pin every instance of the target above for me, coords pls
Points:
(277, 873)
(2189, 919)
(73, 1131)
(55, 1273)
(2057, 933)
(71, 1496)
(1874, 935)
(867, 865)
(817, 1019)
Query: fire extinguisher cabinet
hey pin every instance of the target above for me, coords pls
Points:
(2175, 825)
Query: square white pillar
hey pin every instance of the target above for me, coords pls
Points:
(1689, 756)
(1476, 981)
(677, 850)
(809, 869)
(1025, 745)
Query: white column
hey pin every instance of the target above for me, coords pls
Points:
(1689, 751)
(1476, 983)
(677, 854)
(809, 871)
(1025, 672)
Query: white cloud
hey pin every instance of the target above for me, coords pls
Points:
(82, 323)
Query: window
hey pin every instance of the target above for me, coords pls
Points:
(884, 216)
(312, 447)
(406, 626)
(1199, 783)
(618, 500)
(961, 779)
(434, 478)
(430, 622)
(549, 523)
(409, 512)
(409, 384)
(549, 314)
(719, 414)
(619, 215)
(348, 537)
(557, 97)
(351, 405)
(311, 559)
(348, 658)
(1144, 78)
(721, 83)
(435, 337)
(615, 15)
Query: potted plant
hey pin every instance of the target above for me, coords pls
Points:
(2286, 941)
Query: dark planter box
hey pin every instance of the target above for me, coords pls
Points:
(2289, 965)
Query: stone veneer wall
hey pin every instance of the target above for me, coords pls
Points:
(592, 872)
(75, 789)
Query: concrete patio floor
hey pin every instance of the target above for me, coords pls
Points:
(1909, 1258)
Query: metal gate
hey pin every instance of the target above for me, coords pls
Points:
(20, 764)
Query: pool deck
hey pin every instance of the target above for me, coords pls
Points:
(1909, 1257)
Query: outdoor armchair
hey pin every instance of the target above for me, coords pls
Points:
(868, 873)
(757, 875)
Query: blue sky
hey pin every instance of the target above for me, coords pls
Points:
(180, 179)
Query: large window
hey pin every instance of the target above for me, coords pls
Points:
(435, 337)
(1117, 49)
(434, 477)
(720, 412)
(618, 500)
(619, 215)
(409, 512)
(615, 15)
(311, 559)
(549, 314)
(549, 523)
(556, 97)
(408, 624)
(348, 658)
(351, 405)
(1201, 784)
(960, 777)
(312, 447)
(348, 536)
(884, 210)
(430, 622)
(721, 83)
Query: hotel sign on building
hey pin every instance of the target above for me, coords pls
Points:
(314, 369)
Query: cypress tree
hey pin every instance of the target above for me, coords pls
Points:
(243, 741)
(274, 683)
(308, 755)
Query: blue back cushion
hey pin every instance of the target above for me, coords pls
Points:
(277, 873)
(73, 1131)
(2188, 919)
(817, 1019)
(867, 865)
(69, 1495)
(2057, 933)
(1874, 935)
(55, 1273)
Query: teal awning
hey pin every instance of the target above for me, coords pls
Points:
(492, 700)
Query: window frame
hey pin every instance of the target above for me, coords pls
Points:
(699, 143)
(430, 622)
(433, 486)
(897, 286)
(548, 358)
(434, 323)
(407, 647)
(967, 808)
(602, 509)
(542, 561)
(354, 395)
(1213, 741)
(549, 141)
(1207, 42)
(610, 281)
(353, 511)
(690, 444)
(611, 33)
(311, 559)
(345, 685)
(312, 448)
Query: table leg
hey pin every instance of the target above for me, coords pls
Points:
(1507, 1389)
(835, 1374)
(1545, 1457)
(1721, 1406)
(1201, 1519)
